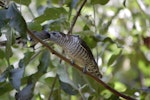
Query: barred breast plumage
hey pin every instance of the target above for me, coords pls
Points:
(77, 50)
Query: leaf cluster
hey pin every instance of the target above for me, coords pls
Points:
(120, 45)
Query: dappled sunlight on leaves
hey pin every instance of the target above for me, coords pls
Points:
(117, 33)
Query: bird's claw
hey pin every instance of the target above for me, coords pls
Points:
(84, 69)
(72, 62)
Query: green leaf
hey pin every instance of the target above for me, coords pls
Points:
(66, 84)
(27, 58)
(120, 86)
(68, 88)
(15, 77)
(3, 77)
(71, 4)
(50, 80)
(74, 3)
(44, 61)
(58, 24)
(130, 91)
(113, 58)
(90, 40)
(3, 20)
(86, 27)
(56, 94)
(5, 74)
(114, 97)
(2, 54)
(8, 49)
(35, 25)
(124, 3)
(3, 14)
(77, 77)
(26, 93)
(6, 87)
(102, 2)
(55, 1)
(102, 38)
(88, 37)
(24, 2)
(16, 20)
(35, 77)
(106, 94)
(50, 14)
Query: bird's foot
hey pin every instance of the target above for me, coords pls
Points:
(72, 62)
(84, 69)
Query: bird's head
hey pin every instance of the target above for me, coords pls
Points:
(54, 36)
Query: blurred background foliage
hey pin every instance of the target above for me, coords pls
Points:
(117, 31)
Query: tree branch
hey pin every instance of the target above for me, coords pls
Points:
(78, 67)
(53, 85)
(76, 17)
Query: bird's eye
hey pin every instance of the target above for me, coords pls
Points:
(54, 33)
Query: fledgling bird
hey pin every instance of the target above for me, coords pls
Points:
(77, 50)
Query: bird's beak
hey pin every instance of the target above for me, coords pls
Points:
(42, 35)
(47, 34)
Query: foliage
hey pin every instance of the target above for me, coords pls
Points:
(117, 33)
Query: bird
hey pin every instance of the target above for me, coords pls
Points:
(76, 49)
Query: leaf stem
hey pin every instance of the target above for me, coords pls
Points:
(76, 17)
(53, 85)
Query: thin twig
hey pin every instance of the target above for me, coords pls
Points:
(79, 68)
(53, 85)
(76, 17)
(94, 13)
